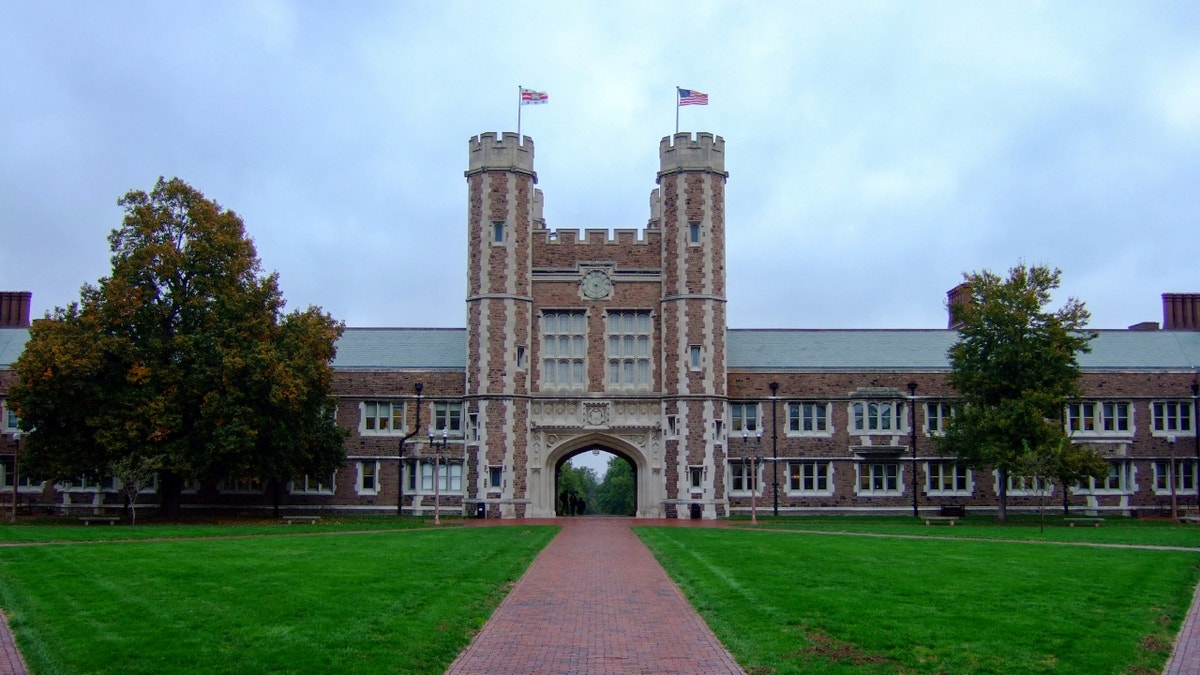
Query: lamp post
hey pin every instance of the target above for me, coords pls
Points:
(912, 438)
(1196, 433)
(400, 464)
(438, 446)
(774, 451)
(753, 478)
(1174, 479)
(15, 478)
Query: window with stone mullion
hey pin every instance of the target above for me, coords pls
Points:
(564, 347)
(629, 349)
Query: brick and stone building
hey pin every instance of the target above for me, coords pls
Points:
(617, 341)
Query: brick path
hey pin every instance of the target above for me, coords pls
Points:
(11, 662)
(595, 601)
(1185, 658)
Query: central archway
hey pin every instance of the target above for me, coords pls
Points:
(649, 493)
(613, 493)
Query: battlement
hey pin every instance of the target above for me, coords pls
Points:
(508, 153)
(681, 152)
(629, 248)
(595, 237)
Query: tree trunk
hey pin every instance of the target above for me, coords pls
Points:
(276, 489)
(1066, 502)
(170, 487)
(1002, 511)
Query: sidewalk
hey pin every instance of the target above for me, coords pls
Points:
(595, 601)
(1185, 657)
(11, 662)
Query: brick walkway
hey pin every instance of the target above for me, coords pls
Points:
(1185, 658)
(595, 601)
(11, 662)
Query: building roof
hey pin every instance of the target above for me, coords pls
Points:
(842, 350)
(402, 349)
(12, 343)
(752, 349)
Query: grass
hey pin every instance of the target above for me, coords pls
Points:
(41, 530)
(813, 603)
(1115, 530)
(403, 602)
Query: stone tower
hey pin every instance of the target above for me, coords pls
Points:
(691, 191)
(502, 203)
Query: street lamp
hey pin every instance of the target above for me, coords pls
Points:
(753, 479)
(912, 438)
(15, 479)
(438, 446)
(400, 463)
(1174, 479)
(774, 451)
(1196, 434)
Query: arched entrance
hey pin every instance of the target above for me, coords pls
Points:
(612, 493)
(649, 492)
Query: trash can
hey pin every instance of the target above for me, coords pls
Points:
(697, 512)
(481, 510)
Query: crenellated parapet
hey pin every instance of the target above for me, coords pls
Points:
(563, 248)
(682, 152)
(655, 221)
(507, 153)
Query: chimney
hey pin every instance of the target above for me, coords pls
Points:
(14, 309)
(1181, 311)
(955, 297)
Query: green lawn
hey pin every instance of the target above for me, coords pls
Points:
(1115, 530)
(383, 602)
(367, 596)
(815, 603)
(68, 529)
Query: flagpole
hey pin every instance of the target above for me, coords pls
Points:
(518, 114)
(676, 108)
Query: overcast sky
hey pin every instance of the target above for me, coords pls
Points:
(876, 150)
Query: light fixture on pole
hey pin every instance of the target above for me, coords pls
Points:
(15, 480)
(1196, 434)
(752, 479)
(774, 450)
(419, 387)
(438, 446)
(1174, 479)
(912, 438)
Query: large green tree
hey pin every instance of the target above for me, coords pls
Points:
(617, 491)
(183, 354)
(1015, 366)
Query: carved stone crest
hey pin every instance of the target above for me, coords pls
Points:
(595, 414)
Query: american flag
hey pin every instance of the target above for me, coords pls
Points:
(531, 97)
(692, 97)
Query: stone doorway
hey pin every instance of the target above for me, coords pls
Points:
(648, 488)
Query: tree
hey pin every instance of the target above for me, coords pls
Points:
(579, 483)
(1014, 366)
(182, 353)
(617, 491)
(134, 473)
(1072, 463)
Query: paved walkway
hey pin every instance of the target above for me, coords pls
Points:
(1185, 657)
(11, 662)
(595, 601)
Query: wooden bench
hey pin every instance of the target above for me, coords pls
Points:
(309, 520)
(88, 520)
(1190, 517)
(1094, 522)
(940, 520)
